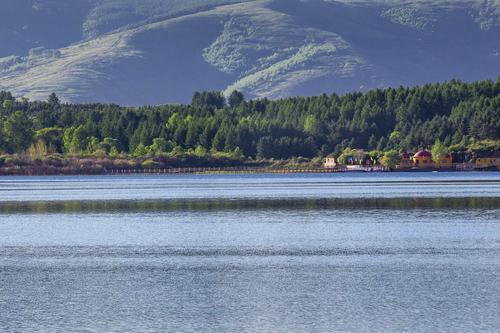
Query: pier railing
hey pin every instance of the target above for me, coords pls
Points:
(217, 170)
(245, 170)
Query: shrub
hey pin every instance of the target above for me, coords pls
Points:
(149, 164)
(391, 158)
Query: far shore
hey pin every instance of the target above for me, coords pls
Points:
(21, 165)
(215, 171)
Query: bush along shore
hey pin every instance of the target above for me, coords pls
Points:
(52, 137)
(94, 165)
(56, 164)
(101, 165)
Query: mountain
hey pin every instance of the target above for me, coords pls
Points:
(136, 52)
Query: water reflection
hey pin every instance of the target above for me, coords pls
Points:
(42, 207)
(249, 187)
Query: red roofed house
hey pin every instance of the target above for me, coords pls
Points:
(423, 159)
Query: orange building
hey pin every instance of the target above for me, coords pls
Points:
(405, 162)
(423, 159)
(446, 163)
(488, 160)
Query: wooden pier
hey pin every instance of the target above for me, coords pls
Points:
(241, 170)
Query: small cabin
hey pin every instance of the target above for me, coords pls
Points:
(488, 160)
(360, 157)
(446, 162)
(423, 159)
(405, 162)
(330, 163)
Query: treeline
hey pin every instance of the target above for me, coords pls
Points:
(456, 113)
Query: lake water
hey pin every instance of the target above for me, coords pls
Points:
(396, 252)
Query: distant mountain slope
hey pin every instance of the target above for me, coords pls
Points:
(160, 51)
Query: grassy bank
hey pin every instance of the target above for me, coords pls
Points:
(56, 164)
(96, 165)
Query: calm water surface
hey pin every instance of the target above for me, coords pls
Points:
(253, 253)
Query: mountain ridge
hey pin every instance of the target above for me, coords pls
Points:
(162, 50)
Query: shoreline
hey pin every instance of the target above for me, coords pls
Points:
(229, 171)
(167, 165)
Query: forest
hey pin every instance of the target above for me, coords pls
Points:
(460, 115)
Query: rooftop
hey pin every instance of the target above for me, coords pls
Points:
(423, 153)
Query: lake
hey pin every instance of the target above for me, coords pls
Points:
(392, 252)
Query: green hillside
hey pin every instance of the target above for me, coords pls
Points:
(457, 113)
